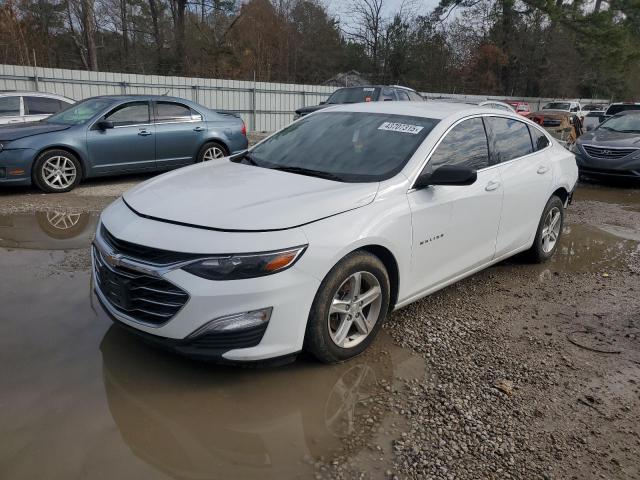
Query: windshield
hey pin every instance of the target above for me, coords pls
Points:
(345, 146)
(613, 109)
(624, 123)
(80, 112)
(557, 106)
(354, 95)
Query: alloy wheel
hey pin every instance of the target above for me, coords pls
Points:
(59, 172)
(212, 153)
(551, 229)
(355, 309)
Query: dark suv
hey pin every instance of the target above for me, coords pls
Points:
(369, 93)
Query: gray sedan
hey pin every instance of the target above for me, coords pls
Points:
(612, 149)
(112, 135)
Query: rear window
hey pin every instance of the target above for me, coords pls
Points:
(613, 109)
(509, 139)
(42, 105)
(352, 146)
(9, 106)
(557, 106)
(354, 95)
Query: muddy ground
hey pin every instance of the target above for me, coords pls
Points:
(521, 371)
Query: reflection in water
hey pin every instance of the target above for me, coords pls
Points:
(57, 229)
(198, 421)
(585, 248)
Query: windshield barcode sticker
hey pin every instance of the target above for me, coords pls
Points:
(400, 127)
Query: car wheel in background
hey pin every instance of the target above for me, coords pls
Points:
(549, 231)
(349, 308)
(57, 171)
(211, 151)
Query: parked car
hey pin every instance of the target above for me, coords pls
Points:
(522, 108)
(569, 107)
(498, 105)
(613, 148)
(112, 135)
(370, 93)
(594, 107)
(592, 120)
(312, 242)
(618, 107)
(564, 126)
(19, 107)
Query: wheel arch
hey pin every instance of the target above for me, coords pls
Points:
(391, 264)
(562, 194)
(65, 148)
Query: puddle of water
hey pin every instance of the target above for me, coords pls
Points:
(90, 401)
(48, 230)
(585, 248)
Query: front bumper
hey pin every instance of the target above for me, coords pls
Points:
(289, 293)
(621, 168)
(15, 166)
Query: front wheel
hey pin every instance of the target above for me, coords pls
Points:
(349, 308)
(57, 171)
(549, 231)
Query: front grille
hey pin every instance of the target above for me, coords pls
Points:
(608, 153)
(143, 298)
(151, 255)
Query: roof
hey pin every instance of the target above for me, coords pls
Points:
(32, 93)
(437, 110)
(378, 86)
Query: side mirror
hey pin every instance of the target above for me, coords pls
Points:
(447, 175)
(322, 103)
(104, 125)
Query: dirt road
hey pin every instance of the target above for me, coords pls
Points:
(521, 371)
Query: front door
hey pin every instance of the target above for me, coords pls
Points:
(127, 147)
(180, 132)
(455, 227)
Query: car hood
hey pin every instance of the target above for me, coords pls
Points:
(28, 129)
(224, 195)
(311, 109)
(600, 136)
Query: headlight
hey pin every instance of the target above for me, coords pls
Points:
(236, 267)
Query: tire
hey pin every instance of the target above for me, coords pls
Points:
(57, 171)
(542, 250)
(324, 336)
(210, 151)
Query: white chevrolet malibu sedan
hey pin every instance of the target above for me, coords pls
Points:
(308, 240)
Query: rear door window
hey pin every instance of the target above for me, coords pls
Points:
(509, 139)
(9, 106)
(42, 105)
(175, 112)
(464, 145)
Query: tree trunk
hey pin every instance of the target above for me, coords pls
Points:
(89, 30)
(125, 32)
(157, 34)
(178, 10)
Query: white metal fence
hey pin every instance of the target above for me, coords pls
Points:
(264, 106)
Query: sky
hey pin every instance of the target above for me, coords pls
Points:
(338, 7)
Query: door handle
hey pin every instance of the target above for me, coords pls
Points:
(542, 169)
(492, 185)
(199, 129)
(144, 133)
